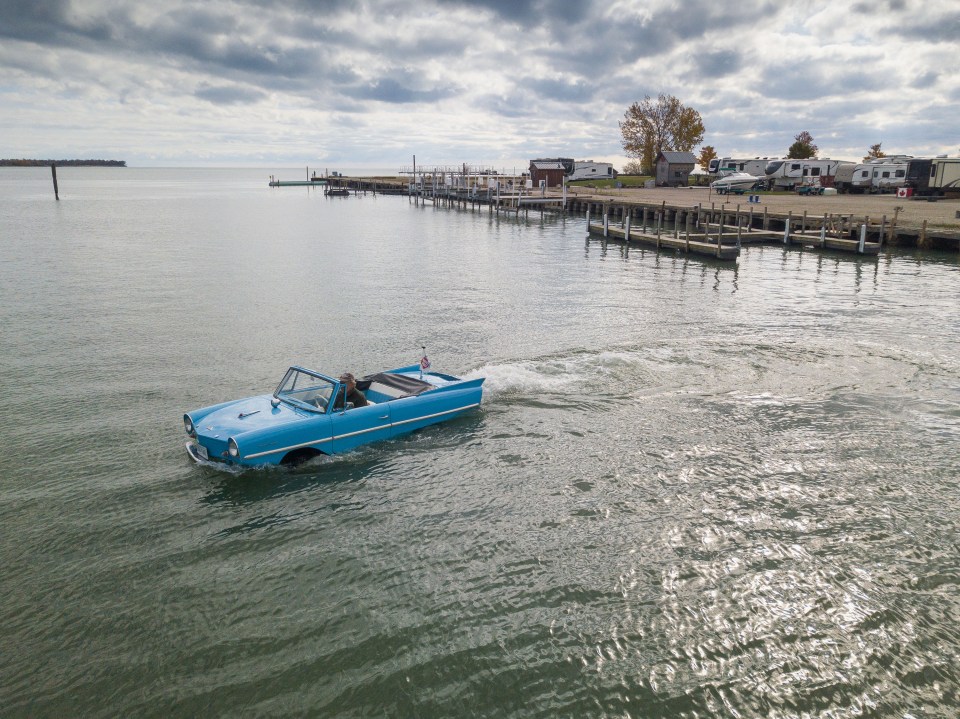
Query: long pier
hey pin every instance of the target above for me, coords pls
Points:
(729, 225)
(711, 231)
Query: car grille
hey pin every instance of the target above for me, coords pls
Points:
(217, 447)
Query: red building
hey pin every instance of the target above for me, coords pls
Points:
(550, 172)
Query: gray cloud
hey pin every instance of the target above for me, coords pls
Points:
(47, 22)
(224, 95)
(718, 64)
(392, 91)
(519, 70)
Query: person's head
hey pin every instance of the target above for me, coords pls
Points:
(348, 379)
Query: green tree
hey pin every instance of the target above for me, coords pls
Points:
(649, 128)
(874, 153)
(707, 153)
(803, 147)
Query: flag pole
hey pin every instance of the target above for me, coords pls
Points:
(424, 362)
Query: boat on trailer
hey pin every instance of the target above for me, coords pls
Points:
(736, 182)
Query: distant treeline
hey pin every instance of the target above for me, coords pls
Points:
(63, 163)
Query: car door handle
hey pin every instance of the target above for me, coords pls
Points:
(384, 416)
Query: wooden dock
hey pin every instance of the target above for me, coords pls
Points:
(713, 223)
(697, 242)
(721, 232)
(297, 183)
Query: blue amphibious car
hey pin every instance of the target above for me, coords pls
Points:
(306, 415)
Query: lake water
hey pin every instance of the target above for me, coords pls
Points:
(693, 489)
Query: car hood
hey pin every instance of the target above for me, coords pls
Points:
(246, 415)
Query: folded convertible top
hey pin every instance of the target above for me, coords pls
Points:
(406, 385)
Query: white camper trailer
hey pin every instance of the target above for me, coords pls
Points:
(787, 174)
(885, 174)
(590, 170)
(749, 165)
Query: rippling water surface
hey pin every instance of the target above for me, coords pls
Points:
(692, 490)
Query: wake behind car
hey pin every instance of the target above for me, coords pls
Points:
(307, 415)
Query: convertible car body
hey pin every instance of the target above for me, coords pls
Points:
(306, 416)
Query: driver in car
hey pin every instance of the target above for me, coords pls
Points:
(353, 394)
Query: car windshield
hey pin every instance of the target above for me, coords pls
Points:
(305, 389)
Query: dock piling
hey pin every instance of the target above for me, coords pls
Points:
(739, 228)
(56, 190)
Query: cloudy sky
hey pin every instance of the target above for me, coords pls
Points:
(368, 84)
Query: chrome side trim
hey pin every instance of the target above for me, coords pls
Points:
(437, 414)
(361, 431)
(285, 449)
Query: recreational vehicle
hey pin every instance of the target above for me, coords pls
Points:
(934, 177)
(590, 170)
(750, 165)
(885, 174)
(787, 174)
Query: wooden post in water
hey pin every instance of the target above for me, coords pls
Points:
(922, 241)
(883, 228)
(606, 221)
(687, 240)
(803, 224)
(786, 229)
(659, 217)
(823, 232)
(766, 223)
(750, 220)
(588, 217)
(739, 227)
(626, 228)
(56, 190)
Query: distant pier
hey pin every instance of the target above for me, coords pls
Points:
(714, 226)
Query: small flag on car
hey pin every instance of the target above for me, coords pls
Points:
(424, 362)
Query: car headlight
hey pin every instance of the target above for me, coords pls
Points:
(232, 448)
(188, 426)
